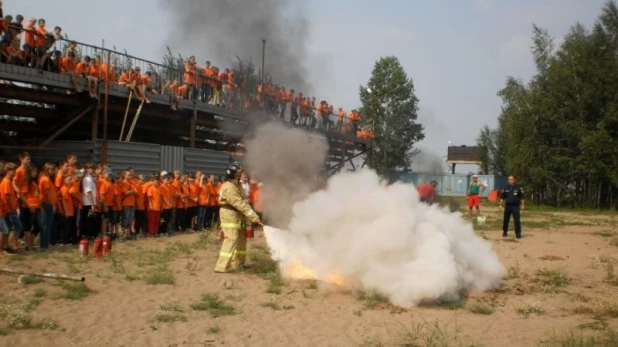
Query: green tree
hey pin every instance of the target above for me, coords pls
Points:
(391, 110)
(559, 132)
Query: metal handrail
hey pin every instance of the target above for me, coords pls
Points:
(163, 72)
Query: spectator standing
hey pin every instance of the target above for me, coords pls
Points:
(474, 195)
(427, 192)
(90, 220)
(513, 197)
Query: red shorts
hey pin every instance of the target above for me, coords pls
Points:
(474, 200)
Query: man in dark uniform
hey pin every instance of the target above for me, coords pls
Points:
(513, 197)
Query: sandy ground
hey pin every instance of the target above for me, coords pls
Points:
(574, 293)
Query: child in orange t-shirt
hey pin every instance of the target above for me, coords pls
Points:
(153, 194)
(67, 211)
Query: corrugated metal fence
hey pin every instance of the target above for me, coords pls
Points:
(145, 158)
(454, 184)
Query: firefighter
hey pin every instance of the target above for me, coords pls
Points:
(233, 213)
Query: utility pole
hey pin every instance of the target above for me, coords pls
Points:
(263, 56)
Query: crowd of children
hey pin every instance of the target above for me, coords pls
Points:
(62, 203)
(208, 84)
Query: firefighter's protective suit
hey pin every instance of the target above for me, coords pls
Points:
(233, 214)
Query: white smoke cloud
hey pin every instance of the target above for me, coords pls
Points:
(384, 240)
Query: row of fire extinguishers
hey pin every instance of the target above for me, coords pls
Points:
(249, 232)
(102, 246)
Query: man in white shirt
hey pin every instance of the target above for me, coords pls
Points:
(90, 220)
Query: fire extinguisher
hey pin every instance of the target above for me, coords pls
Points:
(107, 245)
(249, 230)
(83, 247)
(98, 247)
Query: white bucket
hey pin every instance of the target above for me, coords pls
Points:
(480, 220)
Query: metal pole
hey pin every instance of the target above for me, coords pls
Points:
(105, 107)
(263, 55)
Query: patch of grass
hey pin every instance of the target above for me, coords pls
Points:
(171, 306)
(513, 271)
(607, 338)
(371, 300)
(275, 282)
(263, 265)
(434, 334)
(202, 241)
(191, 266)
(215, 306)
(611, 275)
(131, 278)
(72, 269)
(115, 265)
(530, 307)
(75, 291)
(159, 275)
(481, 308)
(38, 293)
(215, 329)
(272, 304)
(18, 315)
(605, 233)
(30, 280)
(548, 280)
(614, 241)
(169, 318)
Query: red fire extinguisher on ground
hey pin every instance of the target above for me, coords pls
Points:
(107, 245)
(83, 248)
(249, 230)
(98, 247)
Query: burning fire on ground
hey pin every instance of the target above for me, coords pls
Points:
(300, 272)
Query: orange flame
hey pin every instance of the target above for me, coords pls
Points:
(301, 272)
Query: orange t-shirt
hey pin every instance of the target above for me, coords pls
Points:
(95, 71)
(182, 90)
(39, 40)
(29, 35)
(193, 194)
(189, 75)
(124, 78)
(212, 194)
(154, 195)
(218, 190)
(117, 197)
(33, 197)
(82, 68)
(106, 191)
(340, 115)
(8, 194)
(68, 199)
(59, 182)
(74, 189)
(140, 198)
(166, 196)
(127, 200)
(47, 191)
(176, 188)
(4, 209)
(67, 64)
(203, 198)
(20, 179)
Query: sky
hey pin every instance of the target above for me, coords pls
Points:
(457, 52)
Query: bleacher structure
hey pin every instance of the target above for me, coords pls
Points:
(37, 115)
